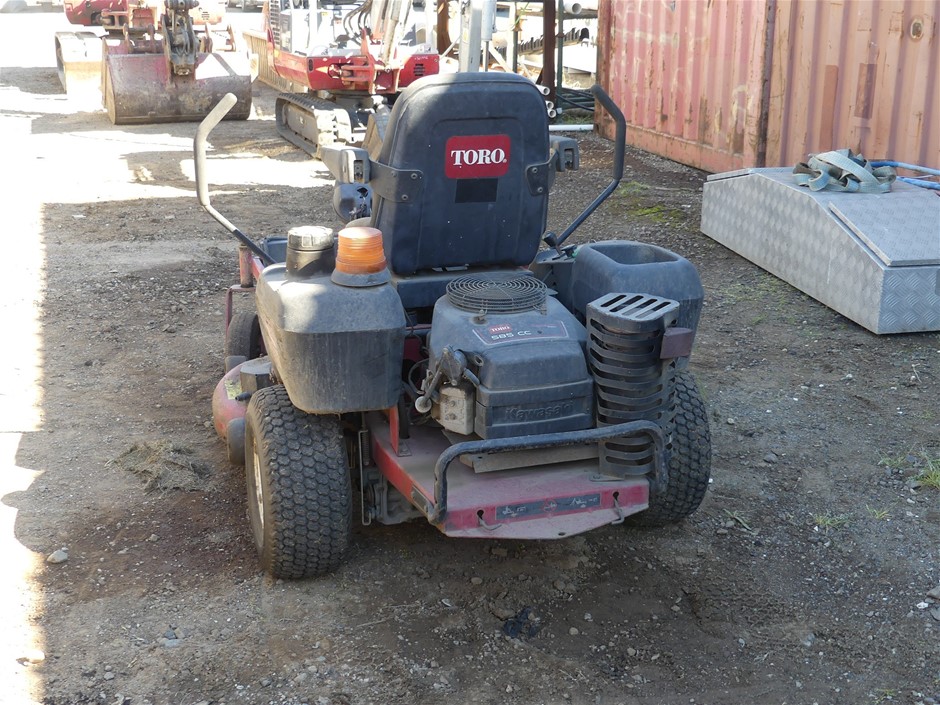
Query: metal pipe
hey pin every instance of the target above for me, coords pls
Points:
(560, 48)
(548, 46)
(202, 185)
(576, 8)
(515, 38)
(571, 128)
(488, 20)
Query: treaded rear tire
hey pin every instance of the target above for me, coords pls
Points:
(299, 489)
(690, 464)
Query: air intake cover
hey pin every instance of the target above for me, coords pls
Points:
(504, 292)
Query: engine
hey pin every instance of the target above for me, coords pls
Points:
(506, 359)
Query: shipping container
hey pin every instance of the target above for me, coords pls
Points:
(726, 84)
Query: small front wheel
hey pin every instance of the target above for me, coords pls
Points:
(243, 339)
(299, 489)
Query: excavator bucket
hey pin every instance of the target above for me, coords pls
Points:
(78, 60)
(141, 88)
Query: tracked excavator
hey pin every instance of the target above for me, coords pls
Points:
(156, 61)
(347, 62)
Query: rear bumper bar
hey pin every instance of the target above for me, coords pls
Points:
(436, 514)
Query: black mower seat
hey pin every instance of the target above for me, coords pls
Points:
(463, 173)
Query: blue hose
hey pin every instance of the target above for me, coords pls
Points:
(913, 167)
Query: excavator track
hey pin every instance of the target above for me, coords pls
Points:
(309, 122)
(78, 61)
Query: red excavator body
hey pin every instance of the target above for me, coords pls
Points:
(344, 63)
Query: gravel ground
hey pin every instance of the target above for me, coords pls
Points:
(809, 575)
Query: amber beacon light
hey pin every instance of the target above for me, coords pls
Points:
(359, 251)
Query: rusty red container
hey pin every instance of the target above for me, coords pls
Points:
(736, 83)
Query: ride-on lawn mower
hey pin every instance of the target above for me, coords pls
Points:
(434, 359)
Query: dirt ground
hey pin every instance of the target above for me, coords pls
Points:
(803, 579)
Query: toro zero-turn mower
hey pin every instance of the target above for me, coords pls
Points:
(431, 357)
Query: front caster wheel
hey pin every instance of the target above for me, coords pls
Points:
(243, 339)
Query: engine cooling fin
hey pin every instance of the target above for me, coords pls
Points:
(497, 293)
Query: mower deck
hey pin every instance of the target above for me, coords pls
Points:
(552, 501)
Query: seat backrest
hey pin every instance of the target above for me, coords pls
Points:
(463, 173)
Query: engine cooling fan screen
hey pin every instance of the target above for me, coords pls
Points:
(497, 293)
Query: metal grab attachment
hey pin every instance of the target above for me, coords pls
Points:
(181, 44)
(548, 440)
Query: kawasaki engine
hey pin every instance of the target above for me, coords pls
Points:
(506, 359)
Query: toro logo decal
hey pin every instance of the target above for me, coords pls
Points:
(476, 156)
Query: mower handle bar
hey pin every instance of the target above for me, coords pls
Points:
(620, 142)
(202, 186)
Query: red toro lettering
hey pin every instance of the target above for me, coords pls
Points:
(476, 156)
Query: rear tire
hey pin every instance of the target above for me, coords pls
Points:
(299, 489)
(690, 464)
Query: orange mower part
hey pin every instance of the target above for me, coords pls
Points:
(140, 89)
(360, 251)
